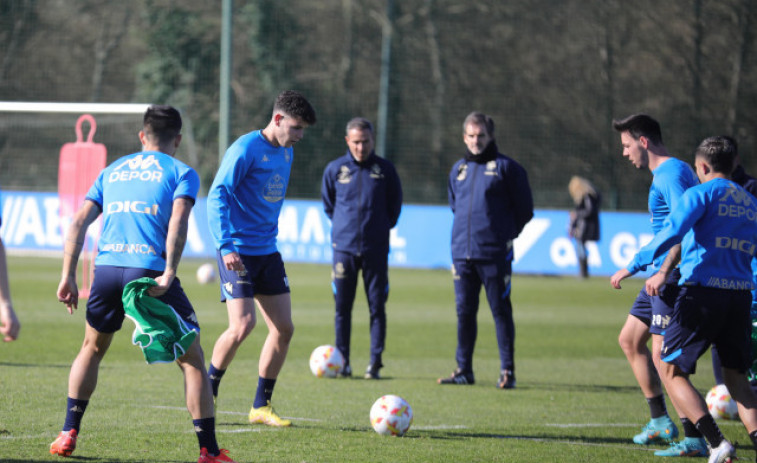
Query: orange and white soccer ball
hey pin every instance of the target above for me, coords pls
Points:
(721, 404)
(326, 361)
(391, 415)
(206, 273)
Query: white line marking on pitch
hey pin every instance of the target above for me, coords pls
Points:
(591, 425)
(164, 407)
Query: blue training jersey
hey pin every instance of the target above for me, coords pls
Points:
(670, 180)
(716, 224)
(245, 199)
(136, 195)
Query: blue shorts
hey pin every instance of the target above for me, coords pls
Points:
(705, 316)
(262, 275)
(657, 311)
(105, 310)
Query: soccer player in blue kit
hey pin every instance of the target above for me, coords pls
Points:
(145, 199)
(641, 138)
(716, 224)
(243, 212)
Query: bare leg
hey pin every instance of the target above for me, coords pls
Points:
(82, 379)
(197, 390)
(277, 313)
(241, 322)
(656, 353)
(633, 340)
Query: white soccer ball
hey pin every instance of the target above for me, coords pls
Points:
(326, 361)
(391, 415)
(206, 273)
(721, 404)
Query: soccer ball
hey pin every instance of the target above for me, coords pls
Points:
(391, 415)
(206, 273)
(721, 404)
(326, 361)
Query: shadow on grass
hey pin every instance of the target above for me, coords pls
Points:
(34, 365)
(578, 387)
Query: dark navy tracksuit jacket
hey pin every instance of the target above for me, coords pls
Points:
(363, 201)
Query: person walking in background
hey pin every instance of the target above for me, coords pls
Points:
(244, 203)
(650, 314)
(491, 201)
(584, 218)
(362, 196)
(9, 324)
(715, 224)
(145, 199)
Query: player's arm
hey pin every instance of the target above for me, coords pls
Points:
(328, 192)
(176, 238)
(394, 197)
(656, 281)
(9, 324)
(68, 291)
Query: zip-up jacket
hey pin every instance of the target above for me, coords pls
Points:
(491, 200)
(363, 201)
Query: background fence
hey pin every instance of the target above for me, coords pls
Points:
(552, 73)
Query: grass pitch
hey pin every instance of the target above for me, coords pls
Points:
(576, 399)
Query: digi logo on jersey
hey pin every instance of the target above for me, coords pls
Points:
(136, 207)
(137, 168)
(736, 244)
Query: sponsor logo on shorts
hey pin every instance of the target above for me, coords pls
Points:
(659, 320)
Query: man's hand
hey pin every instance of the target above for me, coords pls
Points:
(232, 261)
(164, 282)
(619, 276)
(68, 293)
(655, 283)
(9, 325)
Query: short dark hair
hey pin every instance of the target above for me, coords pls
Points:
(359, 123)
(640, 125)
(481, 119)
(162, 122)
(719, 152)
(294, 104)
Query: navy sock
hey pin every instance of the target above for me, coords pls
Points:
(710, 430)
(215, 376)
(264, 393)
(205, 428)
(689, 429)
(657, 406)
(74, 412)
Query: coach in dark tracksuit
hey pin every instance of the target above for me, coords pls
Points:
(491, 201)
(362, 196)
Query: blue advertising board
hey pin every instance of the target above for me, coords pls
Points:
(31, 223)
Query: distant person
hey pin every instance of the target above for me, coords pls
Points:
(9, 324)
(145, 222)
(362, 196)
(715, 223)
(491, 201)
(650, 314)
(243, 213)
(584, 218)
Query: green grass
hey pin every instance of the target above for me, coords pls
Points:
(576, 399)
